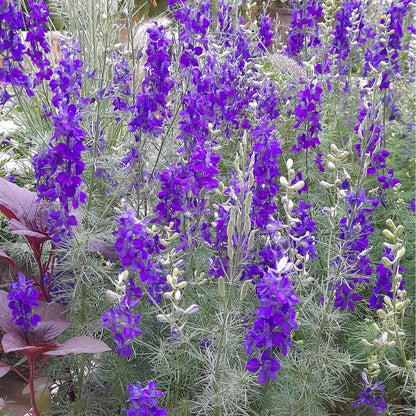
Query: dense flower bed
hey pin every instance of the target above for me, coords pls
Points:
(210, 222)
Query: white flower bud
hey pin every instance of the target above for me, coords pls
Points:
(334, 148)
(386, 261)
(400, 253)
(221, 287)
(390, 224)
(388, 234)
(331, 166)
(162, 318)
(181, 285)
(366, 343)
(326, 185)
(112, 295)
(289, 163)
(297, 186)
(284, 181)
(192, 310)
(177, 295)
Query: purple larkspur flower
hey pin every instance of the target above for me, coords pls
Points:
(143, 400)
(22, 298)
(371, 396)
(268, 367)
(308, 114)
(388, 180)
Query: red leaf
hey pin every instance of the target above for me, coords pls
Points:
(4, 368)
(23, 205)
(13, 342)
(46, 331)
(16, 227)
(82, 344)
(4, 256)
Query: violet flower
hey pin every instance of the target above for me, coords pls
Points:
(12, 49)
(143, 400)
(58, 168)
(22, 298)
(307, 113)
(36, 37)
(303, 31)
(388, 180)
(371, 396)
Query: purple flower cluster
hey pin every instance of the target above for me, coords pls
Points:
(275, 320)
(355, 233)
(265, 32)
(343, 36)
(143, 400)
(307, 113)
(12, 49)
(22, 298)
(303, 30)
(384, 281)
(59, 168)
(302, 230)
(370, 140)
(386, 46)
(135, 246)
(388, 180)
(122, 320)
(151, 110)
(36, 37)
(371, 396)
(120, 88)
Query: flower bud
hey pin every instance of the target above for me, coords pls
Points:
(388, 234)
(331, 166)
(181, 285)
(297, 186)
(192, 310)
(284, 181)
(386, 261)
(376, 327)
(221, 287)
(332, 158)
(244, 289)
(289, 163)
(326, 185)
(390, 224)
(162, 318)
(334, 148)
(387, 301)
(381, 314)
(400, 253)
(177, 295)
(366, 343)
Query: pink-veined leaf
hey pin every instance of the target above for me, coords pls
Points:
(16, 227)
(23, 205)
(81, 344)
(4, 368)
(13, 342)
(4, 256)
(49, 330)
